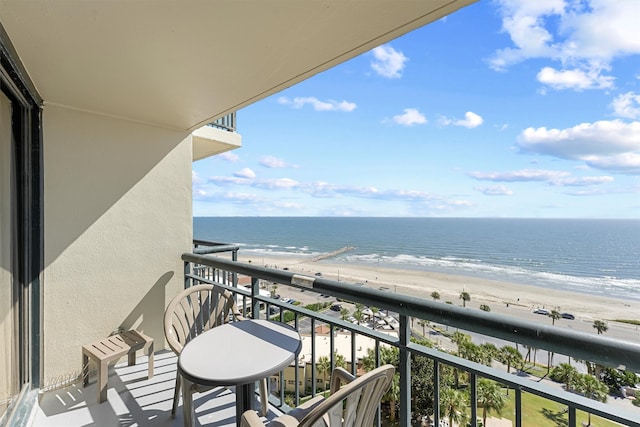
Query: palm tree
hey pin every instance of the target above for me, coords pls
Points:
(488, 352)
(600, 326)
(459, 338)
(435, 295)
(424, 324)
(593, 389)
(453, 404)
(490, 397)
(464, 296)
(323, 366)
(555, 315)
(392, 396)
(344, 313)
(340, 360)
(565, 373)
(358, 315)
(510, 356)
(274, 288)
(374, 310)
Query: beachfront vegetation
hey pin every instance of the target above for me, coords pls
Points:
(490, 398)
(628, 321)
(485, 307)
(600, 326)
(465, 296)
(494, 399)
(435, 295)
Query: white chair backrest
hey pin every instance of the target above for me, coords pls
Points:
(195, 310)
(353, 405)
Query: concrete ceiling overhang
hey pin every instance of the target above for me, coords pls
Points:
(181, 63)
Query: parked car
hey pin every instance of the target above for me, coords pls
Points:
(542, 311)
(568, 316)
(318, 274)
(336, 307)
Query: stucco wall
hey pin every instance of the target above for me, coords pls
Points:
(118, 216)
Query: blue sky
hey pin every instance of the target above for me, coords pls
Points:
(503, 109)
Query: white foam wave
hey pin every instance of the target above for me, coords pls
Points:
(609, 285)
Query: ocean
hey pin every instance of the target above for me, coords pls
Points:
(599, 257)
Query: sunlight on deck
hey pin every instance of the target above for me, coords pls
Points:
(133, 400)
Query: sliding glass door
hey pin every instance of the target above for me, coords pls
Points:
(9, 311)
(21, 236)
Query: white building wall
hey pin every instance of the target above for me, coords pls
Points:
(118, 215)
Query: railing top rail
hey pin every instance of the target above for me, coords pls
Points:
(595, 348)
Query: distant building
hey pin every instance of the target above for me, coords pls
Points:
(342, 346)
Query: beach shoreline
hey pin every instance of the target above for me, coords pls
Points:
(501, 297)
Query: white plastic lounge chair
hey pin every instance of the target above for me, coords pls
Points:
(192, 312)
(352, 405)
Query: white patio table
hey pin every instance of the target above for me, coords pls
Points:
(238, 354)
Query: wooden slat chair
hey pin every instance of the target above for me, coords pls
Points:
(194, 311)
(352, 405)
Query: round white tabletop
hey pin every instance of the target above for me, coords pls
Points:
(239, 353)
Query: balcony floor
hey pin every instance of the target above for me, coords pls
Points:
(133, 400)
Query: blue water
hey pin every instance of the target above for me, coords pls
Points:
(599, 257)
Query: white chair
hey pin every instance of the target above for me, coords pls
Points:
(352, 405)
(192, 312)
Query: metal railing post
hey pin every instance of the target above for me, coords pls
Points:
(436, 393)
(473, 397)
(405, 371)
(255, 302)
(518, 407)
(187, 273)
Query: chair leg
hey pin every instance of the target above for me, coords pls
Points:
(85, 369)
(150, 364)
(176, 396)
(264, 398)
(103, 377)
(187, 402)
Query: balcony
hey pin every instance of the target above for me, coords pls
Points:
(401, 331)
(227, 122)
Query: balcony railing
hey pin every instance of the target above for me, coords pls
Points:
(578, 345)
(227, 122)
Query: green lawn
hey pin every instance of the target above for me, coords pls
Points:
(540, 412)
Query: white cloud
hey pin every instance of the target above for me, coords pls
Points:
(471, 120)
(329, 105)
(272, 162)
(229, 156)
(195, 179)
(388, 62)
(556, 178)
(410, 117)
(279, 183)
(583, 36)
(525, 175)
(574, 79)
(608, 145)
(494, 190)
(524, 22)
(587, 181)
(245, 173)
(626, 105)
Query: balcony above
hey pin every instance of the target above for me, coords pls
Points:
(215, 139)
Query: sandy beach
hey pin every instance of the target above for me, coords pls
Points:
(521, 299)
